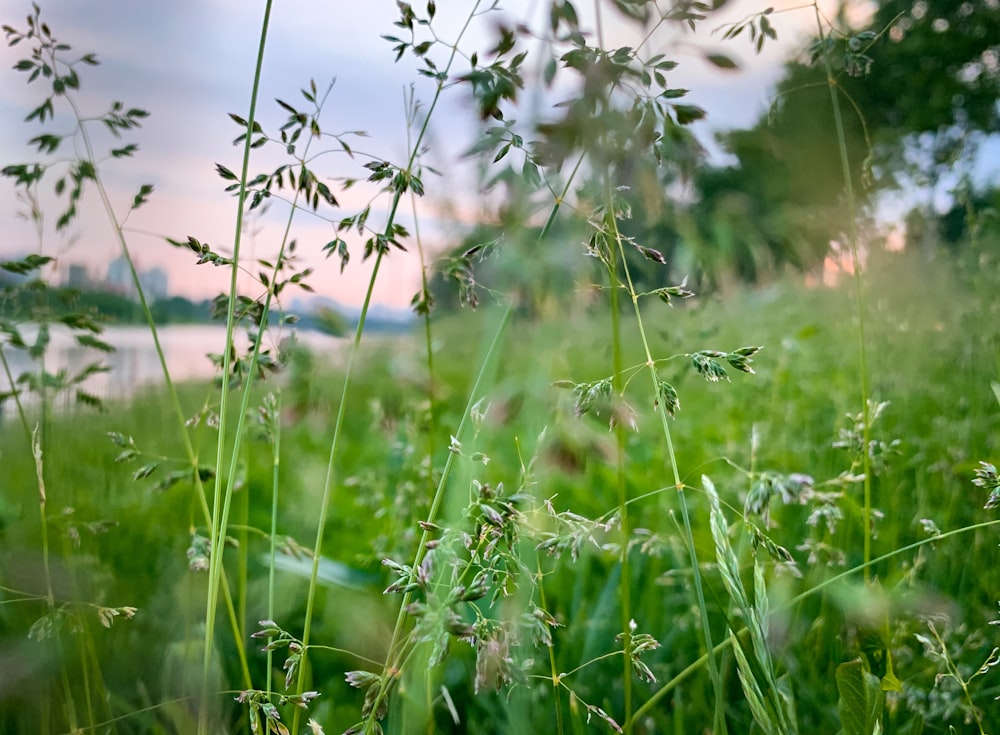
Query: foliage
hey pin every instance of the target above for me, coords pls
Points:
(934, 70)
(502, 530)
(919, 86)
(797, 403)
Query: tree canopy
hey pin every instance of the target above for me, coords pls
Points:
(918, 87)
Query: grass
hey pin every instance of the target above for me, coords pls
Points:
(557, 510)
(794, 407)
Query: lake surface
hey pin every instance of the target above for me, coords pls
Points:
(135, 364)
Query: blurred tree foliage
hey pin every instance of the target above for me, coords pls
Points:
(935, 75)
(918, 86)
(781, 201)
(932, 99)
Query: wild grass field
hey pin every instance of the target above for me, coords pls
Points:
(596, 501)
(116, 540)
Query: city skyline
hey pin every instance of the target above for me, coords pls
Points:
(155, 281)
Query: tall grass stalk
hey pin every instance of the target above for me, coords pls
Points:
(424, 306)
(554, 672)
(553, 669)
(35, 440)
(248, 385)
(275, 422)
(859, 292)
(220, 506)
(661, 409)
(87, 694)
(18, 404)
(328, 485)
(396, 650)
(50, 600)
(625, 578)
(119, 233)
(796, 600)
(240, 432)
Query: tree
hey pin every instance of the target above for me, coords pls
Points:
(918, 88)
(780, 202)
(936, 67)
(931, 95)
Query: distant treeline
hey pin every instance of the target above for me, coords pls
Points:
(24, 300)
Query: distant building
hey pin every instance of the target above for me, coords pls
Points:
(77, 276)
(154, 283)
(119, 278)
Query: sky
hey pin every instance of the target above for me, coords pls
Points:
(190, 63)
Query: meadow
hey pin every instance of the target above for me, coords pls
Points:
(582, 506)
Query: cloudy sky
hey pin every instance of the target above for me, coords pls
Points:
(190, 62)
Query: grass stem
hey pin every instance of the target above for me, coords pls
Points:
(856, 265)
(625, 578)
(716, 676)
(328, 484)
(220, 504)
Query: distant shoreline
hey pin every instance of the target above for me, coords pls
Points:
(134, 365)
(116, 309)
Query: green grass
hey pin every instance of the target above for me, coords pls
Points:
(502, 525)
(935, 375)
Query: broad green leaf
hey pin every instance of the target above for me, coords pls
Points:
(860, 698)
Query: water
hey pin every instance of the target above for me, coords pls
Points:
(135, 364)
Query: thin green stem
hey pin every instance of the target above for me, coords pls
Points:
(137, 284)
(249, 382)
(21, 415)
(553, 671)
(720, 699)
(242, 559)
(113, 721)
(328, 484)
(591, 662)
(36, 450)
(255, 352)
(101, 685)
(218, 523)
(625, 576)
(425, 296)
(275, 423)
(85, 676)
(852, 234)
(344, 651)
(793, 601)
